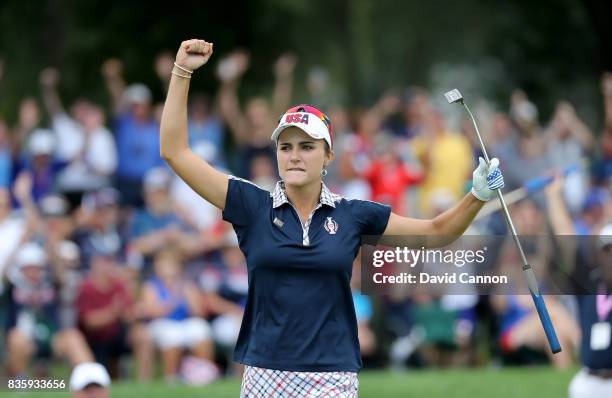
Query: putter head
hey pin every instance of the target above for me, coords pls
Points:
(453, 96)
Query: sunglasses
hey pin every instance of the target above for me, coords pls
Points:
(313, 111)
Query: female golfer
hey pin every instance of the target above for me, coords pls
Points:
(299, 333)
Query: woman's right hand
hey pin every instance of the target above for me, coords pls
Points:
(193, 53)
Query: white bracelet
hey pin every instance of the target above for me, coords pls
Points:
(178, 74)
(183, 69)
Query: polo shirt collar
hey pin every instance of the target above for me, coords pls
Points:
(280, 198)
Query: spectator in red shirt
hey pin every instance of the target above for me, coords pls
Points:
(107, 316)
(389, 177)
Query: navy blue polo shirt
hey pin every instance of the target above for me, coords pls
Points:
(587, 310)
(299, 313)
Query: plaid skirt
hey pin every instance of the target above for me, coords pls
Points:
(271, 383)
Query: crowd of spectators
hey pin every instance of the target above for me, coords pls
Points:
(106, 255)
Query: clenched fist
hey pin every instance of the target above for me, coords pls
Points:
(193, 53)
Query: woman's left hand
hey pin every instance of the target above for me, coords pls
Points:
(486, 180)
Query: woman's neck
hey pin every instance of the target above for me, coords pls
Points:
(304, 198)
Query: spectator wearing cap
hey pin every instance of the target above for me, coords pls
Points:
(55, 212)
(107, 315)
(83, 142)
(33, 328)
(136, 132)
(99, 222)
(158, 224)
(90, 380)
(40, 161)
(50, 222)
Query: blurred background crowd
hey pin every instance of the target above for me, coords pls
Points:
(105, 255)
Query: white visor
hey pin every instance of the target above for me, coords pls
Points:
(307, 122)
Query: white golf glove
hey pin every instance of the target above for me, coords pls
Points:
(486, 180)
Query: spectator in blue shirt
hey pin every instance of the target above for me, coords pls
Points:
(157, 224)
(299, 329)
(204, 126)
(136, 132)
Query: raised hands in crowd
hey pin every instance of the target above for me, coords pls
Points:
(400, 150)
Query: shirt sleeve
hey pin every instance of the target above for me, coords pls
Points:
(371, 217)
(244, 201)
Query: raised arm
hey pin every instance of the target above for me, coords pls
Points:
(386, 105)
(49, 77)
(283, 84)
(561, 224)
(230, 71)
(560, 219)
(174, 148)
(565, 118)
(112, 73)
(448, 226)
(441, 230)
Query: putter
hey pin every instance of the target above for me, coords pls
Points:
(455, 96)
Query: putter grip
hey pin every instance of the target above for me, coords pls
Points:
(549, 329)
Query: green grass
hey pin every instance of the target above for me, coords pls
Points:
(540, 382)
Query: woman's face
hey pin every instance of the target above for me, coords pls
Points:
(300, 157)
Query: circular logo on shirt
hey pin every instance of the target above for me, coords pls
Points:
(331, 226)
